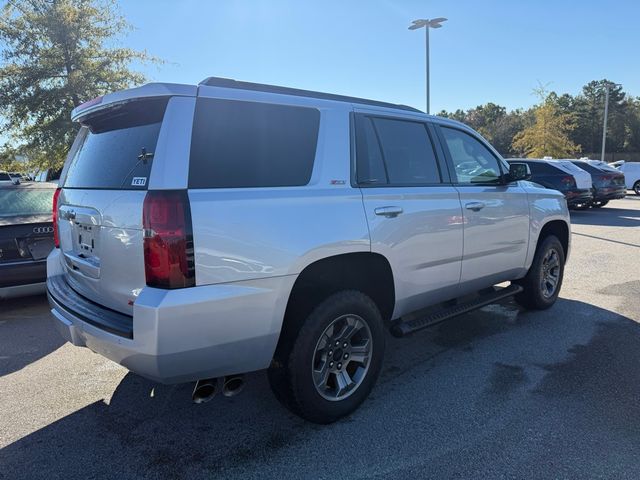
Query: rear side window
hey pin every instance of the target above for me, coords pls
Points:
(4, 176)
(118, 148)
(541, 168)
(394, 152)
(248, 144)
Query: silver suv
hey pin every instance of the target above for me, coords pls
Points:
(207, 231)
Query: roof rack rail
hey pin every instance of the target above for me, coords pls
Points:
(260, 87)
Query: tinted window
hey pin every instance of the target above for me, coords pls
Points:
(247, 144)
(472, 161)
(371, 169)
(25, 201)
(117, 151)
(542, 168)
(4, 176)
(588, 168)
(397, 152)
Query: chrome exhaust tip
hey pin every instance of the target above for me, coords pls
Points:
(233, 385)
(205, 390)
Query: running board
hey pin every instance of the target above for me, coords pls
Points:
(403, 328)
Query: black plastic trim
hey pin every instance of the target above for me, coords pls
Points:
(75, 304)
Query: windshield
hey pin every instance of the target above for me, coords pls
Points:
(16, 202)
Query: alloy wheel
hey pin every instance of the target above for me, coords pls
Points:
(342, 357)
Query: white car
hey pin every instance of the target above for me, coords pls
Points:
(631, 172)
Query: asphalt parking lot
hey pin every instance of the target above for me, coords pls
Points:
(499, 393)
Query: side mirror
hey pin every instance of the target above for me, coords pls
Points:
(518, 171)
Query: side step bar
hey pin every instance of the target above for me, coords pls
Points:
(403, 328)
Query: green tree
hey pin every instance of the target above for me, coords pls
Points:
(549, 134)
(55, 55)
(589, 111)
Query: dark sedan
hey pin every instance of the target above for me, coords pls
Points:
(26, 237)
(607, 184)
(546, 174)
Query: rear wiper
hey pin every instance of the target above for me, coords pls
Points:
(142, 158)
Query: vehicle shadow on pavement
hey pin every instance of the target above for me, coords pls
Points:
(606, 216)
(499, 392)
(24, 337)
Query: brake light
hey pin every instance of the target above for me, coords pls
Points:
(568, 181)
(168, 239)
(56, 237)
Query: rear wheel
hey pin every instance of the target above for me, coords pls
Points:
(543, 281)
(334, 361)
(636, 187)
(599, 204)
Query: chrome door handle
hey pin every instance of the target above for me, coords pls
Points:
(389, 212)
(475, 206)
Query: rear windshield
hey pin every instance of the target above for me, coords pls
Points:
(249, 144)
(21, 201)
(118, 147)
(4, 176)
(588, 168)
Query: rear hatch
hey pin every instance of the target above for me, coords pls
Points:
(583, 178)
(603, 178)
(100, 205)
(26, 231)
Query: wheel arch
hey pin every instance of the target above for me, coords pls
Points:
(367, 272)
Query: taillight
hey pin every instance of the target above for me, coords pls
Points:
(56, 237)
(168, 239)
(568, 181)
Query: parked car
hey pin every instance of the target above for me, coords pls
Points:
(207, 231)
(607, 184)
(555, 175)
(631, 171)
(5, 179)
(26, 237)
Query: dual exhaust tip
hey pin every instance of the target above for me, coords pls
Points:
(206, 389)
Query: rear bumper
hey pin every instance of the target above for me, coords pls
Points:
(578, 197)
(185, 334)
(22, 272)
(610, 193)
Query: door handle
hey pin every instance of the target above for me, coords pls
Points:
(389, 212)
(475, 206)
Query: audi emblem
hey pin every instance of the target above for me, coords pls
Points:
(43, 230)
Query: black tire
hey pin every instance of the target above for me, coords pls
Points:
(636, 187)
(534, 295)
(599, 203)
(291, 377)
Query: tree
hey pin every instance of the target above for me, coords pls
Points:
(56, 55)
(589, 111)
(549, 134)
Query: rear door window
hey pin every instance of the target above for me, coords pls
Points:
(394, 152)
(239, 144)
(118, 148)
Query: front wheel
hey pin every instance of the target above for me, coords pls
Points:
(636, 187)
(544, 279)
(334, 361)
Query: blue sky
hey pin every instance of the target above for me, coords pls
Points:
(487, 51)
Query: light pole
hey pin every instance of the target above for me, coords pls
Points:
(607, 86)
(427, 24)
